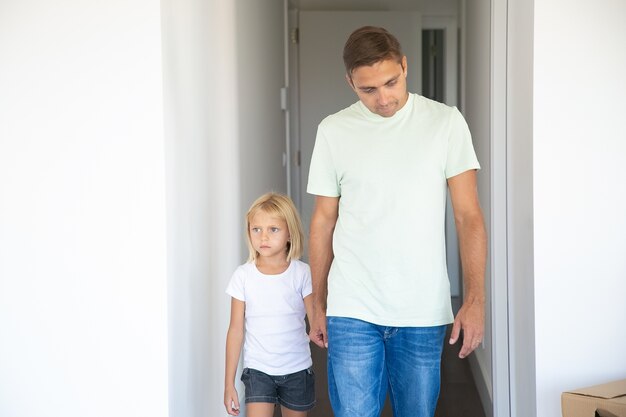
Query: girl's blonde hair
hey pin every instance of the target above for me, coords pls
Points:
(282, 207)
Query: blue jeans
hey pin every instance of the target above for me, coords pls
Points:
(365, 359)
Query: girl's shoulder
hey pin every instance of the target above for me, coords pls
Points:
(297, 263)
(301, 277)
(238, 281)
(300, 267)
(244, 269)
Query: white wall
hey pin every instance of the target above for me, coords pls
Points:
(579, 197)
(83, 227)
(82, 219)
(202, 196)
(225, 135)
(260, 46)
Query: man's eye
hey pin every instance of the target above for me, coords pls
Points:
(392, 83)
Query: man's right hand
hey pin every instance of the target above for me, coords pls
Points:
(317, 333)
(323, 221)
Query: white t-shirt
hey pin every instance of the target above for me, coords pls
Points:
(389, 242)
(276, 341)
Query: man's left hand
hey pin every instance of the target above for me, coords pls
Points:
(470, 319)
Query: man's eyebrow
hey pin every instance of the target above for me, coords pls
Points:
(367, 87)
(393, 79)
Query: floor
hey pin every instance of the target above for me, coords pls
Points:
(459, 397)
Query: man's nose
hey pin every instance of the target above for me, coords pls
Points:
(383, 97)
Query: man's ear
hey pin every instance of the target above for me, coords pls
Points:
(350, 83)
(404, 65)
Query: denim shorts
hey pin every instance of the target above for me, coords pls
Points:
(295, 391)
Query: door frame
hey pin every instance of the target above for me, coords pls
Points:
(500, 321)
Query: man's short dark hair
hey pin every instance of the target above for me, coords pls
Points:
(369, 45)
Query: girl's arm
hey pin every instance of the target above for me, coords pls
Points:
(234, 339)
(308, 305)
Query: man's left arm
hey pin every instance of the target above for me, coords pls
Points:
(470, 228)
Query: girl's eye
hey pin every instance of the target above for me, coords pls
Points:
(274, 229)
(255, 230)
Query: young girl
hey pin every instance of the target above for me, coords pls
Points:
(270, 295)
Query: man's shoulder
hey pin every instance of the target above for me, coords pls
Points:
(436, 113)
(424, 103)
(348, 113)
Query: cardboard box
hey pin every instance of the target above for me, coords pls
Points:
(606, 400)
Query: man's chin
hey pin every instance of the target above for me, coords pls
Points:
(386, 112)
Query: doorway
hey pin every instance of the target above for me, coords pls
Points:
(452, 23)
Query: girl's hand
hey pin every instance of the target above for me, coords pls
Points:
(231, 401)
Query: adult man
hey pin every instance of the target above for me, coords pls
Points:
(380, 172)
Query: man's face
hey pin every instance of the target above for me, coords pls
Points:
(381, 86)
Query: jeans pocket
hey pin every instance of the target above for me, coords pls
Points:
(309, 377)
(245, 374)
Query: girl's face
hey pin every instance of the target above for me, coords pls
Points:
(269, 236)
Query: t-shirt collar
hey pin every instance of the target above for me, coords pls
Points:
(398, 115)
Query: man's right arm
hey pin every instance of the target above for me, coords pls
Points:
(321, 256)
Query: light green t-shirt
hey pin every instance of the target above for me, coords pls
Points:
(390, 174)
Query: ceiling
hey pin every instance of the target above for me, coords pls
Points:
(372, 4)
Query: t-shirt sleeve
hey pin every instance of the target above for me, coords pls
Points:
(461, 156)
(322, 173)
(236, 286)
(307, 287)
